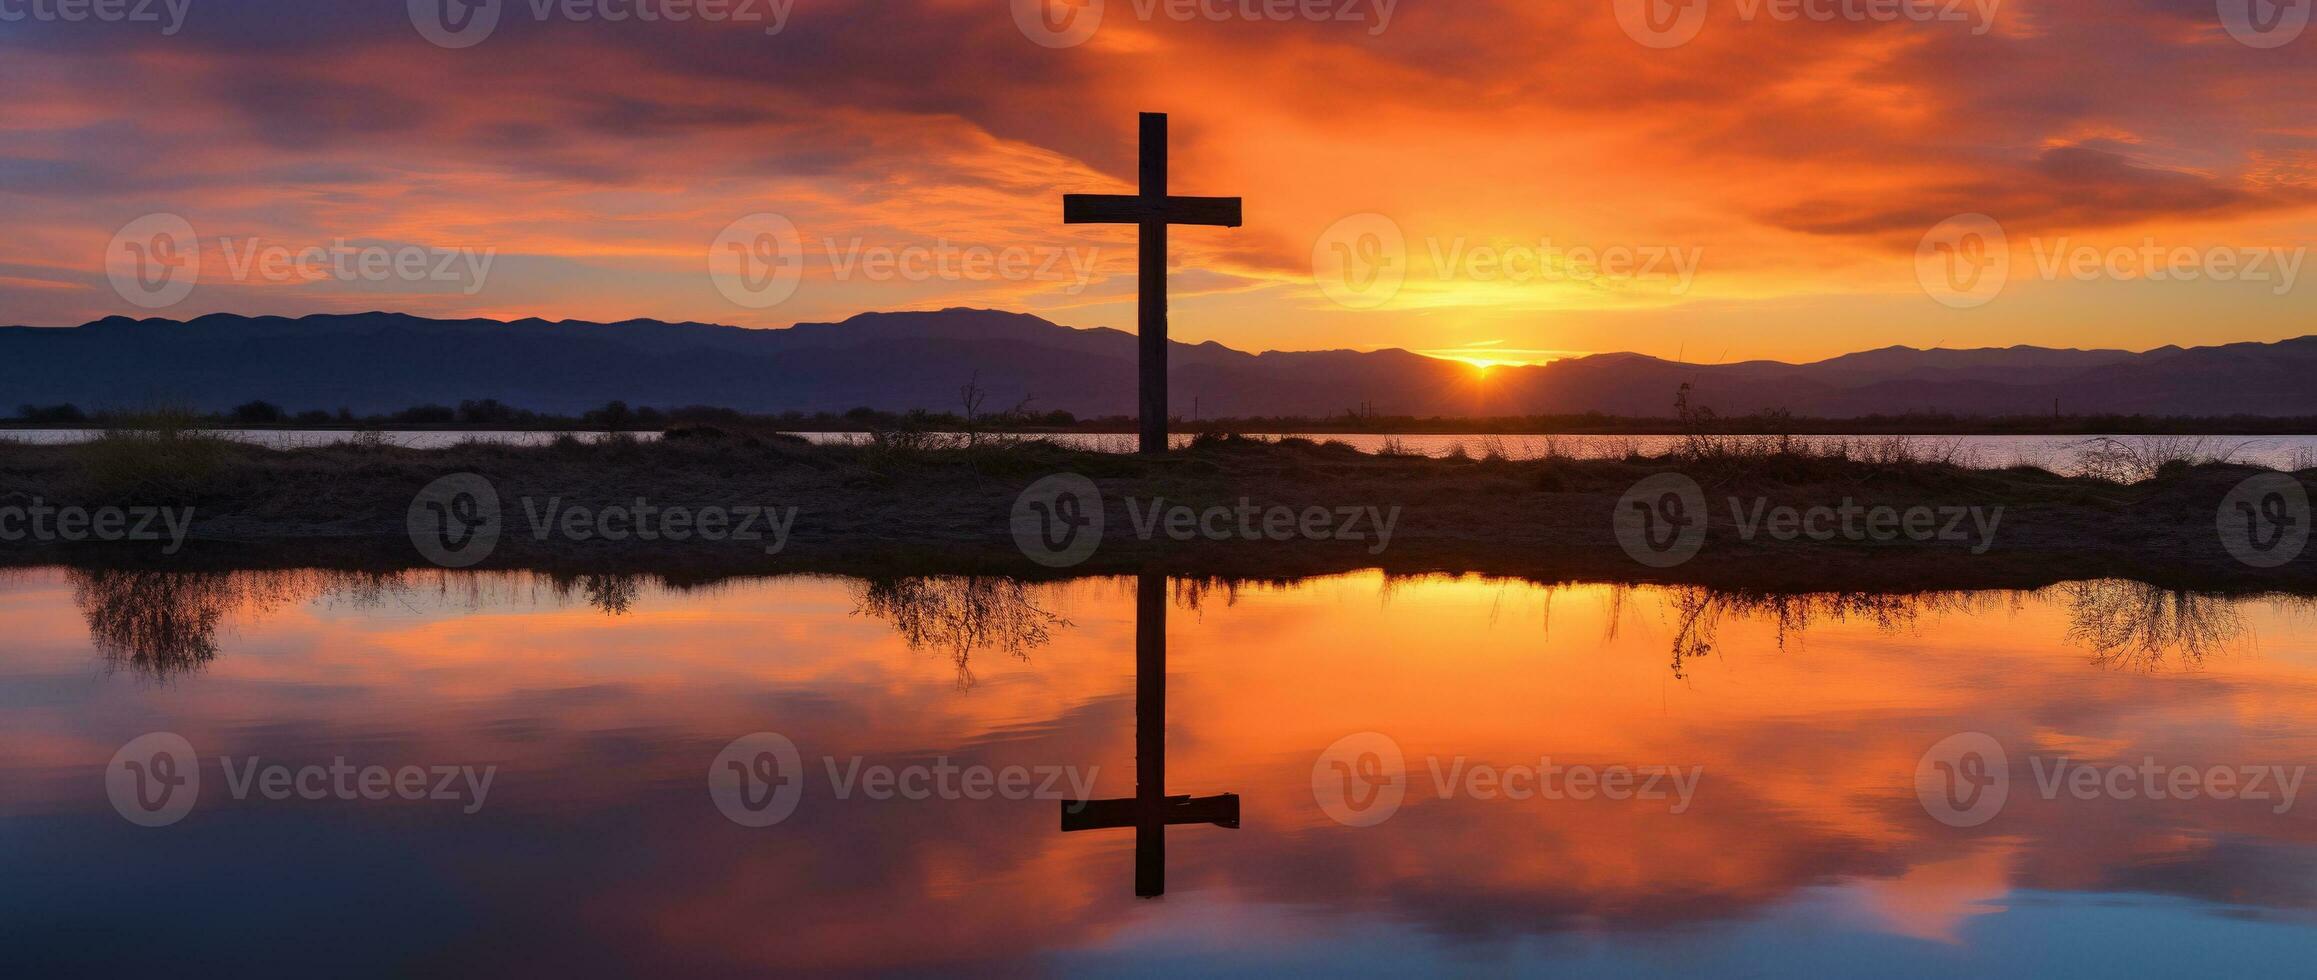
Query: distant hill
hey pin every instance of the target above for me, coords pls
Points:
(376, 362)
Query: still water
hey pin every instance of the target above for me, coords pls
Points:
(1430, 774)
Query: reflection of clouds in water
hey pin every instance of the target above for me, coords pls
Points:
(1805, 787)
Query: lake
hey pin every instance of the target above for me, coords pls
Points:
(2059, 454)
(430, 772)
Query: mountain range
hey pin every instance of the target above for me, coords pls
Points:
(377, 362)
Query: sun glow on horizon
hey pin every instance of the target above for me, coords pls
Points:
(1486, 354)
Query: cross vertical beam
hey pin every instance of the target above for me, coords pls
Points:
(1150, 709)
(1151, 210)
(1151, 315)
(1150, 810)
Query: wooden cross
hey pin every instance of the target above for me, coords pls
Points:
(1154, 210)
(1150, 810)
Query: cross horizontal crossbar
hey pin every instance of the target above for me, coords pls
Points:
(1129, 209)
(1222, 811)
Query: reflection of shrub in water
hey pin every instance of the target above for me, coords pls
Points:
(2127, 624)
(960, 615)
(2137, 625)
(1698, 612)
(165, 623)
(615, 595)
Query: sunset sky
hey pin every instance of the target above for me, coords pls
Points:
(1792, 166)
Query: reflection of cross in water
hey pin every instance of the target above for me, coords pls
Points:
(1153, 210)
(1150, 810)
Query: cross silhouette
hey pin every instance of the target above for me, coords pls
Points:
(1153, 210)
(1150, 810)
